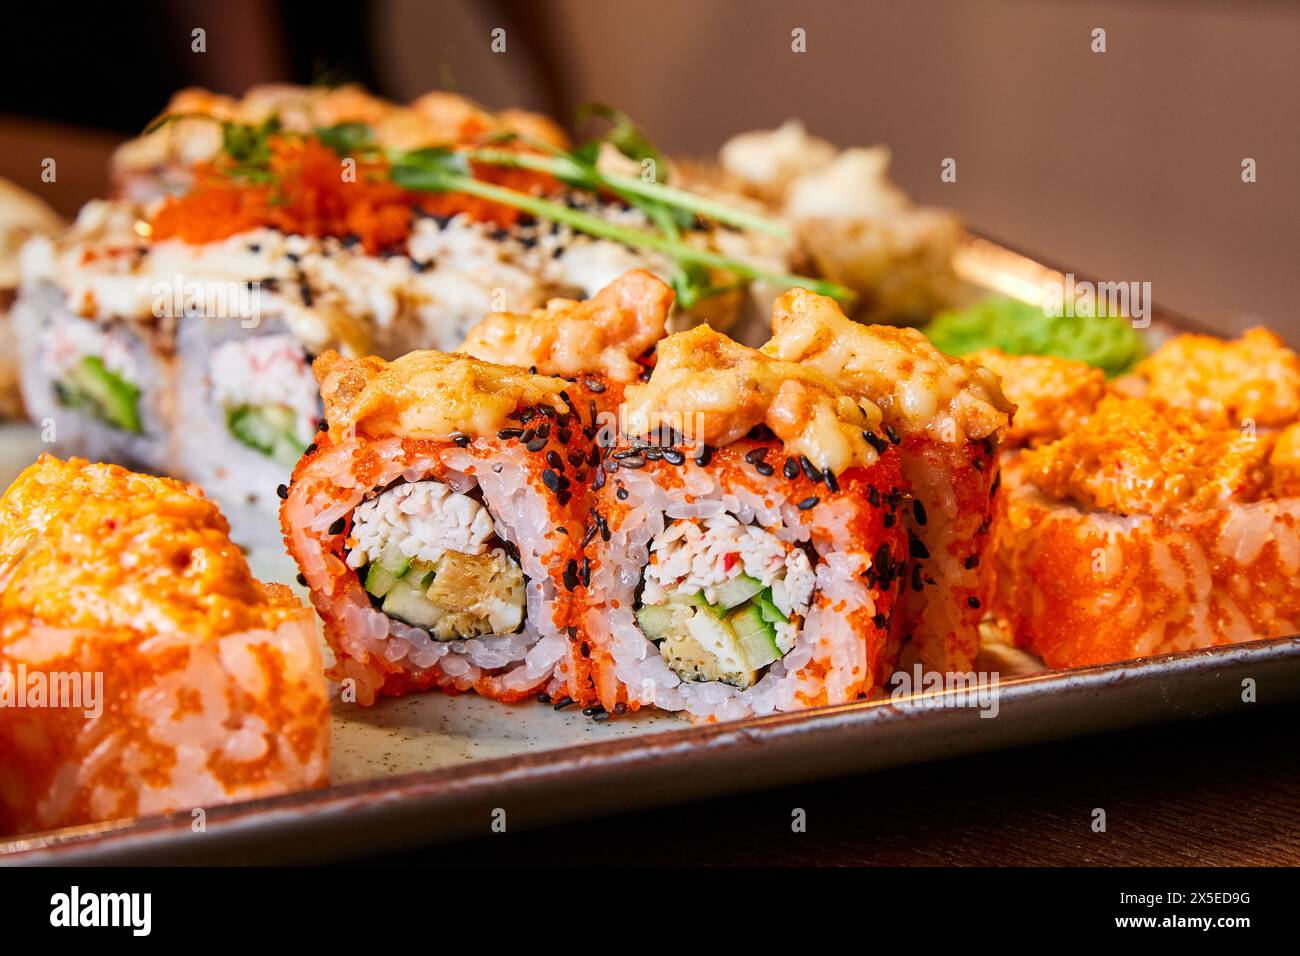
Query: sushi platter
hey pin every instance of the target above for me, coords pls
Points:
(500, 488)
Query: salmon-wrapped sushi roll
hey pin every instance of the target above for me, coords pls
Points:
(436, 524)
(1145, 531)
(946, 417)
(745, 554)
(142, 668)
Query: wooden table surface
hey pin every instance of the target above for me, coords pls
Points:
(1221, 791)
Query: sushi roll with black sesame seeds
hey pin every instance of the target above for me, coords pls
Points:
(725, 578)
(437, 525)
(946, 418)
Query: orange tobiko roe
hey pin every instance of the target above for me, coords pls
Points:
(309, 195)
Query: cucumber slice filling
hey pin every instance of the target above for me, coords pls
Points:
(269, 429)
(90, 387)
(704, 642)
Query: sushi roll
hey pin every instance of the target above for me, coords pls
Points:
(246, 406)
(744, 554)
(1157, 512)
(1052, 395)
(22, 216)
(1146, 530)
(96, 362)
(946, 417)
(142, 668)
(437, 524)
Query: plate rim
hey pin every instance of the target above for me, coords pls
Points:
(1104, 697)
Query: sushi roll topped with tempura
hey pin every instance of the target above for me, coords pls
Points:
(1145, 531)
(946, 417)
(436, 523)
(1166, 517)
(745, 553)
(1052, 395)
(169, 678)
(607, 338)
(1251, 381)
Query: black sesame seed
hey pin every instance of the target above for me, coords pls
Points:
(310, 449)
(563, 702)
(536, 444)
(876, 442)
(563, 497)
(756, 455)
(973, 602)
(563, 436)
(599, 481)
(790, 469)
(584, 649)
(282, 491)
(527, 435)
(589, 534)
(704, 456)
(881, 559)
(570, 576)
(880, 621)
(809, 469)
(918, 512)
(620, 708)
(674, 457)
(621, 494)
(873, 496)
(302, 579)
(831, 482)
(601, 717)
(632, 461)
(592, 711)
(324, 426)
(891, 434)
(543, 698)
(338, 526)
(764, 469)
(809, 502)
(544, 430)
(507, 433)
(916, 548)
(551, 480)
(916, 577)
(584, 575)
(553, 459)
(654, 454)
(889, 519)
(972, 561)
(461, 441)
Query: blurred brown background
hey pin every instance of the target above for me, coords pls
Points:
(1124, 165)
